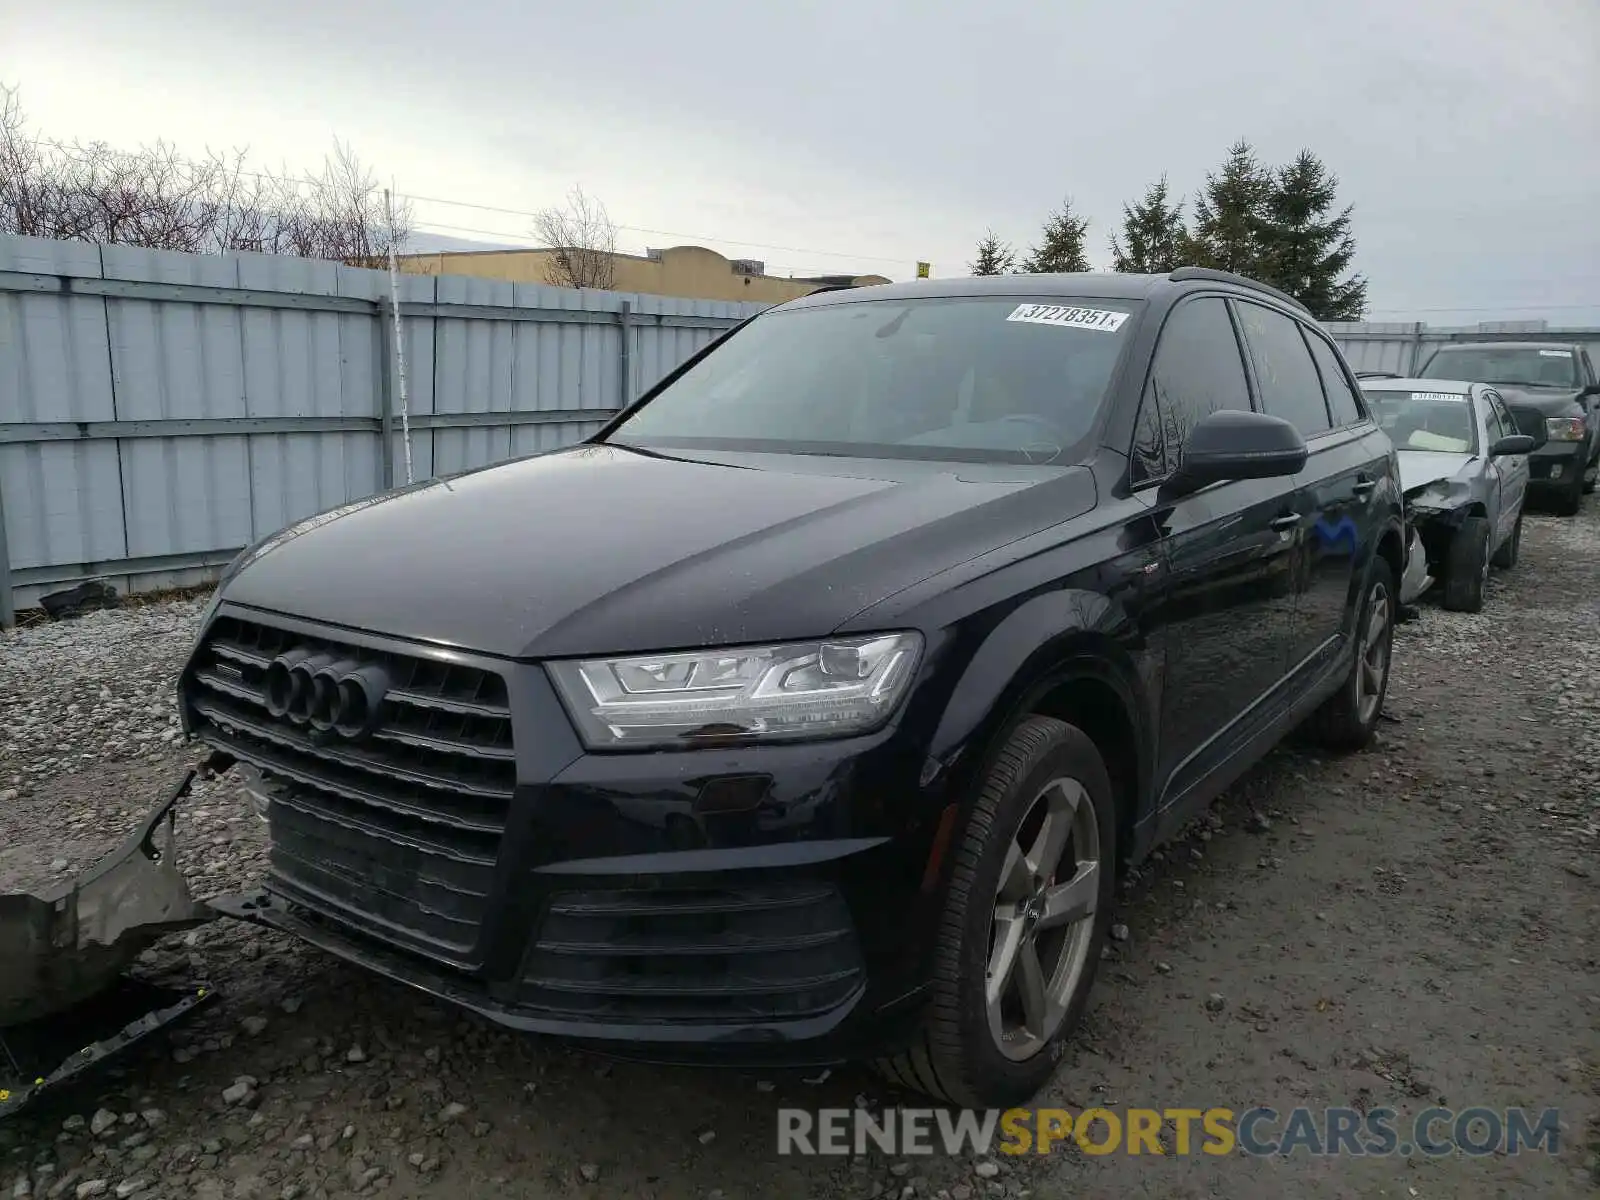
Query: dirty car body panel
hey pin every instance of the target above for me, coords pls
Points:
(492, 838)
(65, 1005)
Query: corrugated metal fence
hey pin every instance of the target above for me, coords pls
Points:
(159, 411)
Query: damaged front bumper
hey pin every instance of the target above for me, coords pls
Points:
(64, 950)
(1416, 579)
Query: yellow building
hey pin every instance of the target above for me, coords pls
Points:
(689, 271)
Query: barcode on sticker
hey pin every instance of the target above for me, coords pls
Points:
(1069, 318)
(1555, 354)
(1448, 397)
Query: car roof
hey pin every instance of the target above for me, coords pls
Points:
(1453, 387)
(1107, 285)
(1110, 285)
(1497, 345)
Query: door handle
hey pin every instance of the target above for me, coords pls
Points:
(1288, 521)
(1363, 485)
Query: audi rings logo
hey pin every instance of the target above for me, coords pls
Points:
(335, 697)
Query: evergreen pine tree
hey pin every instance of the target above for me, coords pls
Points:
(1153, 236)
(994, 257)
(1230, 229)
(1060, 247)
(1311, 246)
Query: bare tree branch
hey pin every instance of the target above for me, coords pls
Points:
(154, 197)
(583, 240)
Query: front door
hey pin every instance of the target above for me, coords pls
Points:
(1228, 609)
(1227, 598)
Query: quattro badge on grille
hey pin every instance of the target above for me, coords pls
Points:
(336, 697)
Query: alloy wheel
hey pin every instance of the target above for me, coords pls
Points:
(1373, 653)
(1044, 919)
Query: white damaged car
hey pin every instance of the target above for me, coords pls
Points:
(1464, 470)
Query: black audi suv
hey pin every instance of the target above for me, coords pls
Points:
(808, 711)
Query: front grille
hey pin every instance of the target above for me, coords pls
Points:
(396, 835)
(725, 953)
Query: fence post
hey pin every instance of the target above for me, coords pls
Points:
(626, 318)
(8, 604)
(1418, 328)
(385, 396)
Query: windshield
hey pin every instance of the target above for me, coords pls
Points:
(1426, 420)
(1520, 366)
(974, 380)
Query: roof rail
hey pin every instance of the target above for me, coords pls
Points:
(1183, 274)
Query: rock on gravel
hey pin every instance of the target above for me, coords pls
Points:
(90, 742)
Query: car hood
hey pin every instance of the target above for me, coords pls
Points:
(606, 549)
(1421, 467)
(1552, 402)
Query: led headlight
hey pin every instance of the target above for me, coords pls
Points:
(827, 688)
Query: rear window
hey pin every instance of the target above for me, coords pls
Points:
(965, 379)
(1415, 420)
(1510, 366)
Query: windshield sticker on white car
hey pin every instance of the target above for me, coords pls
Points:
(1447, 397)
(1069, 318)
(1555, 354)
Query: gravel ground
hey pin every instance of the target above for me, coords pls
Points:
(1409, 926)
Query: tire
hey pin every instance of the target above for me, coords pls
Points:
(1506, 557)
(1466, 569)
(956, 1058)
(1347, 719)
(1591, 478)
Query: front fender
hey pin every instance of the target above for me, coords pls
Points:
(1048, 640)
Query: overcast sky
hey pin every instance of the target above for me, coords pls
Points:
(863, 135)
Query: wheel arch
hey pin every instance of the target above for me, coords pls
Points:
(1083, 674)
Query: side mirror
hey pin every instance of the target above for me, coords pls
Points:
(1592, 390)
(1230, 444)
(1512, 443)
(1530, 422)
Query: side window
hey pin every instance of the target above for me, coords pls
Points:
(1149, 441)
(1342, 400)
(1588, 367)
(1197, 371)
(1498, 425)
(1508, 423)
(1288, 380)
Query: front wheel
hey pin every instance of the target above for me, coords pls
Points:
(1466, 568)
(1025, 918)
(1347, 719)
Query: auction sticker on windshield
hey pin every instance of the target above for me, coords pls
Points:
(1554, 354)
(1069, 318)
(1447, 397)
